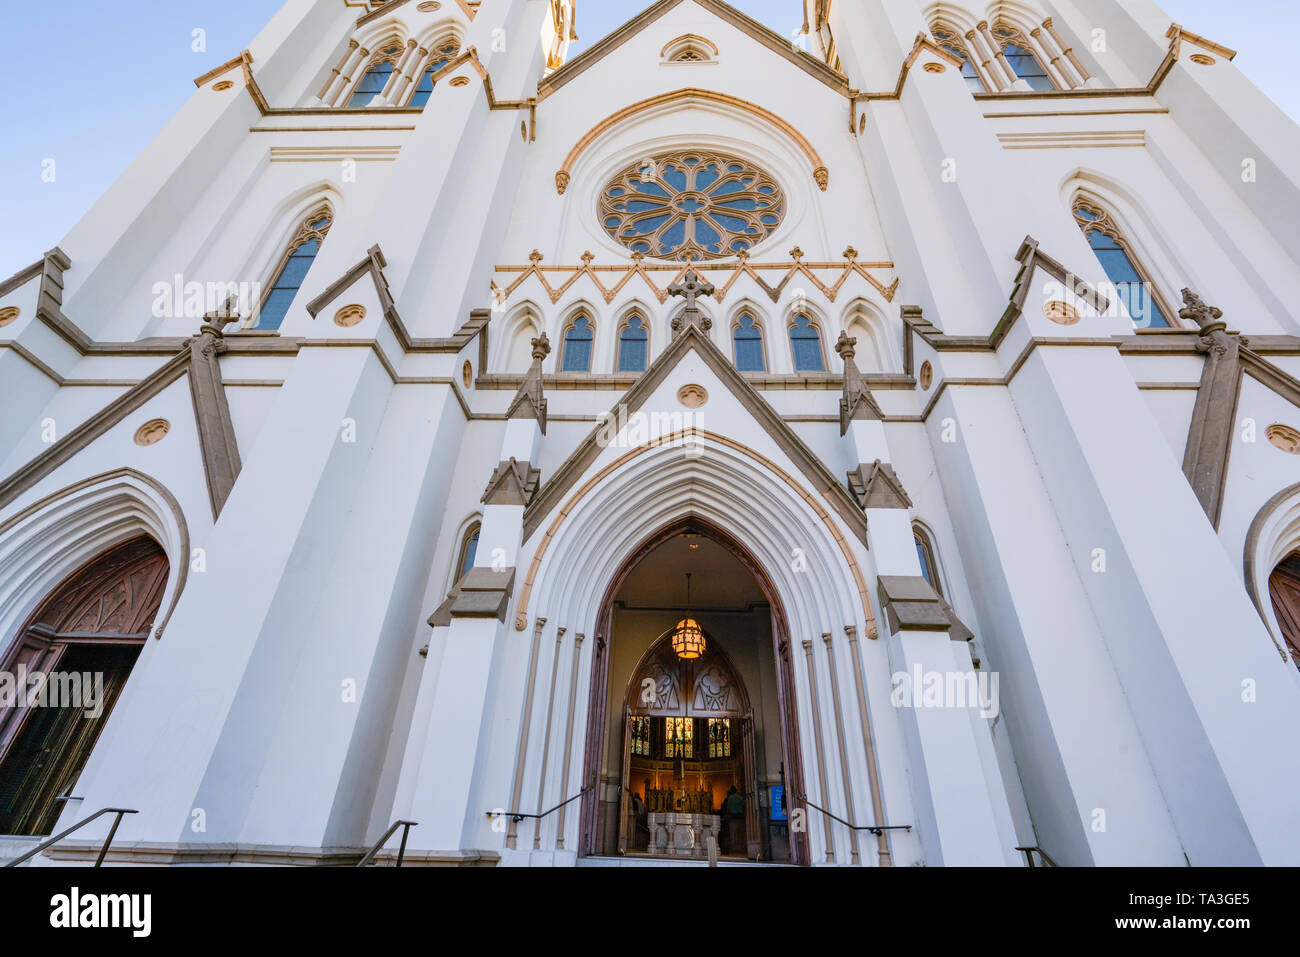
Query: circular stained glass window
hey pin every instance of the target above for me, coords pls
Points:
(691, 205)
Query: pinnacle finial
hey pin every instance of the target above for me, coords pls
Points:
(844, 346)
(1197, 310)
(541, 347)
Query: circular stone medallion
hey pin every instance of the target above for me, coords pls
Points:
(152, 432)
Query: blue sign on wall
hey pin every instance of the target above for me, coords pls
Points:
(777, 801)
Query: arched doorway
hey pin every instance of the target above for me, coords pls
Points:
(62, 673)
(735, 706)
(1284, 591)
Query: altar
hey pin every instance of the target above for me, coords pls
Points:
(674, 834)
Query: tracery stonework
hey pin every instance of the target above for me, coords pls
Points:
(691, 205)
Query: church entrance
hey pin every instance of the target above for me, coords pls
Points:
(62, 673)
(692, 741)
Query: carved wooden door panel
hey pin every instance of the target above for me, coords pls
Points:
(32, 655)
(83, 642)
(1284, 589)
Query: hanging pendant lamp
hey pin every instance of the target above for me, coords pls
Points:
(688, 637)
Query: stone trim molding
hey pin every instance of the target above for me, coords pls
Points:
(747, 25)
(374, 264)
(693, 94)
(692, 337)
(198, 360)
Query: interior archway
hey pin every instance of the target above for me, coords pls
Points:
(657, 795)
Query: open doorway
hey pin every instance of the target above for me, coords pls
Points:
(692, 736)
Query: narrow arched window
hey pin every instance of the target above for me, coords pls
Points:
(632, 346)
(806, 344)
(747, 339)
(468, 552)
(1131, 283)
(577, 346)
(1021, 58)
(952, 43)
(376, 77)
(293, 268)
(925, 554)
(424, 88)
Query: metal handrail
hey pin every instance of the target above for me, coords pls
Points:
(119, 811)
(379, 846)
(518, 816)
(875, 829)
(1029, 856)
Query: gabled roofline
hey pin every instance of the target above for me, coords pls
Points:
(724, 11)
(549, 496)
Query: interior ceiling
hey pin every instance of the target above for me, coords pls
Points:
(718, 579)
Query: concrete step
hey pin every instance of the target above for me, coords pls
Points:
(631, 861)
(12, 846)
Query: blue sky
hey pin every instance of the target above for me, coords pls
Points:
(88, 84)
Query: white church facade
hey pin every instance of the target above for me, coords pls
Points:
(877, 446)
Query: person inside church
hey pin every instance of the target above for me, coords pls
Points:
(733, 813)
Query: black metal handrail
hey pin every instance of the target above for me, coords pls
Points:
(379, 845)
(875, 829)
(119, 811)
(518, 816)
(1029, 856)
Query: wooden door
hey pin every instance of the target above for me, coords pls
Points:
(623, 825)
(1284, 589)
(753, 832)
(82, 643)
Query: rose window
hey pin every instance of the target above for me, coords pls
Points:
(691, 206)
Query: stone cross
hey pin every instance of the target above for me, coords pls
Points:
(692, 287)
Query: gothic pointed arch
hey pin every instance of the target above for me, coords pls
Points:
(1271, 566)
(1123, 266)
(295, 262)
(95, 622)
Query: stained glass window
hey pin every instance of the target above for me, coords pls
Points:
(806, 343)
(468, 552)
(953, 45)
(577, 346)
(748, 339)
(424, 88)
(925, 554)
(632, 342)
(719, 737)
(641, 736)
(376, 77)
(679, 737)
(1020, 57)
(302, 253)
(691, 205)
(1122, 270)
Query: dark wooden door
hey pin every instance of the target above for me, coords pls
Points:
(1284, 589)
(79, 647)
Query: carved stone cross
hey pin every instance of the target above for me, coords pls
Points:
(692, 287)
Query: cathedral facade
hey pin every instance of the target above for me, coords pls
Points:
(877, 446)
